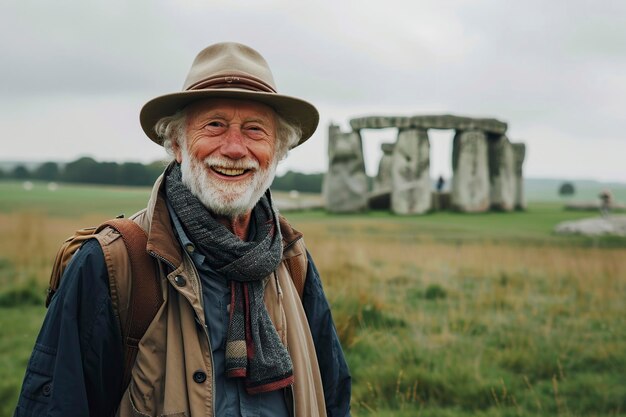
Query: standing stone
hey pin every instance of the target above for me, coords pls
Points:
(411, 192)
(383, 181)
(470, 182)
(502, 181)
(519, 151)
(345, 184)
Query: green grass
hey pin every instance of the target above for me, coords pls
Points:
(18, 329)
(493, 345)
(532, 226)
(445, 314)
(71, 200)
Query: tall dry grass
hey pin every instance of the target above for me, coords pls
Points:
(486, 327)
(435, 326)
(30, 241)
(345, 259)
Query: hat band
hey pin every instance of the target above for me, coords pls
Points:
(232, 81)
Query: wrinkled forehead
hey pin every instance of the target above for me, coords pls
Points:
(228, 108)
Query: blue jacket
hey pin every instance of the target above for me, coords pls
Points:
(76, 365)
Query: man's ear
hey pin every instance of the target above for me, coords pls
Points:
(178, 154)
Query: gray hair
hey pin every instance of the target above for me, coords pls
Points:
(172, 129)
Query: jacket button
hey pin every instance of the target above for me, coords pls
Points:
(189, 247)
(199, 377)
(46, 390)
(180, 280)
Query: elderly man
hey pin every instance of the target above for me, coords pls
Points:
(233, 335)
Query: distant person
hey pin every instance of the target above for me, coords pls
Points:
(440, 183)
(233, 337)
(606, 199)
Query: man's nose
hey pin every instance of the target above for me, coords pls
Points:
(234, 144)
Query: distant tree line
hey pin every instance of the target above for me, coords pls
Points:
(87, 170)
(306, 183)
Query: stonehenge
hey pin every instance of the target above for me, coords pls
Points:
(470, 183)
(382, 181)
(345, 183)
(502, 173)
(487, 167)
(410, 176)
(519, 152)
(430, 122)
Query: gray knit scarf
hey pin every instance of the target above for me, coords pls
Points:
(254, 350)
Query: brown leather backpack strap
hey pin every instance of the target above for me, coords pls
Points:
(297, 267)
(295, 259)
(145, 293)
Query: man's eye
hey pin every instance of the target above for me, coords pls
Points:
(255, 128)
(215, 124)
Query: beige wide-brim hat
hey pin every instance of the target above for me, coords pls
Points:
(234, 71)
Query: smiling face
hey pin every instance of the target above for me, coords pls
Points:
(228, 156)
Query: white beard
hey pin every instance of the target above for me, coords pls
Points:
(226, 198)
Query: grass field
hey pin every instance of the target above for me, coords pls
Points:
(440, 315)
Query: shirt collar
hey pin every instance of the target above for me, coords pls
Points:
(188, 246)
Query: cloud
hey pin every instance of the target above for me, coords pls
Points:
(81, 47)
(553, 69)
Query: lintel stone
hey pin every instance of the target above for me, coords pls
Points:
(447, 121)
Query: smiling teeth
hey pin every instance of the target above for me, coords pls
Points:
(229, 171)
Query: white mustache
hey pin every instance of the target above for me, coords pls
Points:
(216, 161)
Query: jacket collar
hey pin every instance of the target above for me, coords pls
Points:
(161, 238)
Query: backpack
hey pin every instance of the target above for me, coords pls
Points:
(142, 309)
(144, 280)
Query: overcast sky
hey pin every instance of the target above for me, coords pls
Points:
(75, 73)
